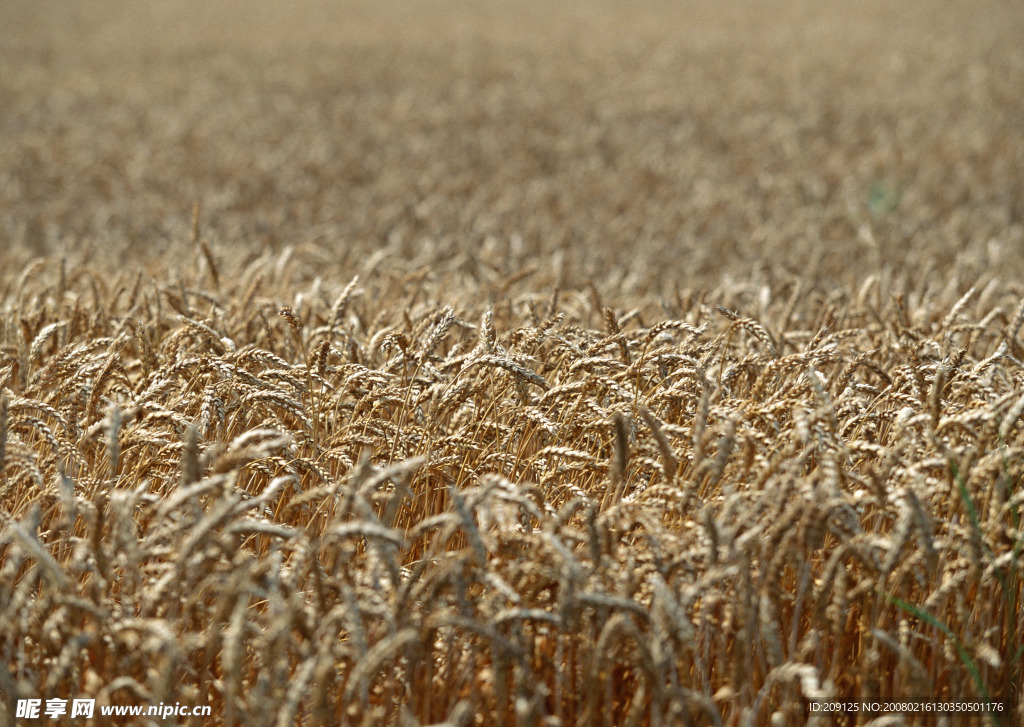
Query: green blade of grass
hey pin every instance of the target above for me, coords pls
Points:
(966, 659)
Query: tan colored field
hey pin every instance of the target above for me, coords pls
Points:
(511, 364)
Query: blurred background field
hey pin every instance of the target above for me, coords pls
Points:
(670, 141)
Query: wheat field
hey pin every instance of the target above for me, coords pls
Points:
(467, 363)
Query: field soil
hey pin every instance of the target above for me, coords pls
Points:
(515, 363)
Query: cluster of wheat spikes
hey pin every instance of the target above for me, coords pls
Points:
(354, 507)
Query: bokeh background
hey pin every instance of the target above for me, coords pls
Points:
(637, 145)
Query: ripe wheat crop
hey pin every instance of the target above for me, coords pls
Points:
(513, 365)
